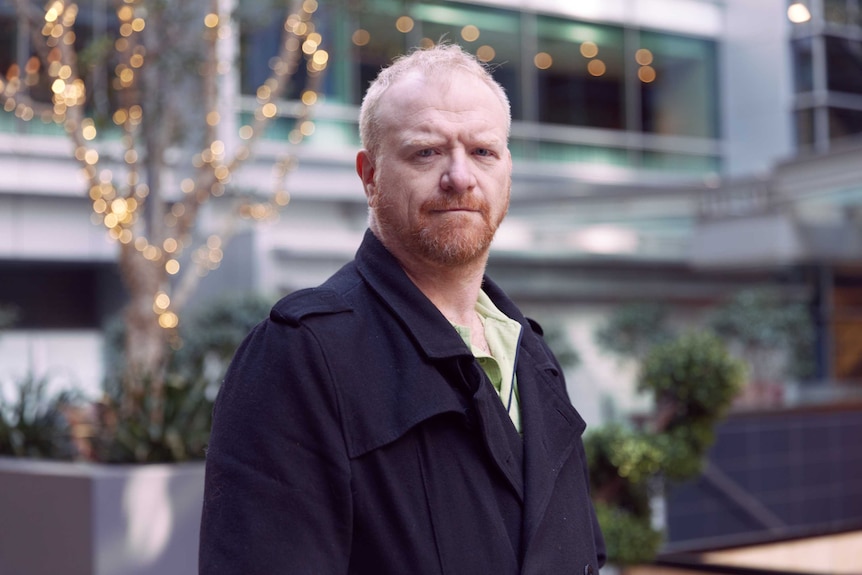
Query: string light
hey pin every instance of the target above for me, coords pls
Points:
(543, 60)
(470, 33)
(404, 24)
(116, 205)
(589, 49)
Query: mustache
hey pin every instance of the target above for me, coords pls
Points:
(455, 203)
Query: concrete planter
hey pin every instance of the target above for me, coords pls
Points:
(92, 519)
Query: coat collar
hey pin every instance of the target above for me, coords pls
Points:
(419, 316)
(552, 427)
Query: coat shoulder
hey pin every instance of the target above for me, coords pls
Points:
(292, 309)
(536, 327)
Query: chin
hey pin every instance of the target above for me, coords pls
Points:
(454, 249)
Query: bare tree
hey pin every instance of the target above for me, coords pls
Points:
(142, 101)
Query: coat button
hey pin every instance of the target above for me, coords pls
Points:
(588, 570)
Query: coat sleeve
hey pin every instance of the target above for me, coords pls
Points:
(277, 488)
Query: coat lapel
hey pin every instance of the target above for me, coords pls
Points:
(552, 428)
(501, 439)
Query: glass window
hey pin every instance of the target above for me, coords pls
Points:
(805, 128)
(844, 123)
(261, 31)
(27, 68)
(835, 11)
(680, 163)
(8, 39)
(382, 32)
(679, 90)
(583, 154)
(40, 292)
(580, 74)
(93, 25)
(492, 34)
(844, 64)
(803, 76)
(843, 12)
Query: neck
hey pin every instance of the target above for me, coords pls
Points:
(452, 289)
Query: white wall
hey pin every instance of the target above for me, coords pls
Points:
(687, 16)
(70, 359)
(600, 378)
(757, 86)
(34, 227)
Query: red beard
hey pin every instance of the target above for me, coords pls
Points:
(451, 239)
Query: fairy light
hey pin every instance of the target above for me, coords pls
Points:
(117, 199)
(172, 266)
(168, 320)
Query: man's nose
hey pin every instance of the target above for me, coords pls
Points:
(458, 176)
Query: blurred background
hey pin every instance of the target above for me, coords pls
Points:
(679, 166)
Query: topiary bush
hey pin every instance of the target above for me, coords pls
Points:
(693, 380)
(629, 538)
(622, 461)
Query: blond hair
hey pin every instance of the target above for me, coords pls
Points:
(443, 57)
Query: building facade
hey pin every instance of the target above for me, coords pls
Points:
(664, 150)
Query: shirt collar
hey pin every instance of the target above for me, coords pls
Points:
(419, 316)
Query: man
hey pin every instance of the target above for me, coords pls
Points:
(404, 417)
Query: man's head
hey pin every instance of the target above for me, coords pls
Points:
(436, 166)
(440, 59)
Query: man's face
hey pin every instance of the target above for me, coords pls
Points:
(439, 185)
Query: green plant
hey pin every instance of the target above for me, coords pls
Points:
(632, 329)
(211, 336)
(33, 423)
(167, 428)
(693, 380)
(629, 538)
(136, 425)
(764, 323)
(622, 461)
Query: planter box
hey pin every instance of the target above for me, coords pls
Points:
(92, 519)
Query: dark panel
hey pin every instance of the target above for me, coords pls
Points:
(52, 295)
(800, 467)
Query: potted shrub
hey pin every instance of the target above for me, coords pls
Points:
(130, 501)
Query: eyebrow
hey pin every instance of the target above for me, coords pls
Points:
(482, 140)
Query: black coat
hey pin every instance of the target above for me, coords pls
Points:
(355, 433)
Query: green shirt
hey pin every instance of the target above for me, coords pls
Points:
(502, 334)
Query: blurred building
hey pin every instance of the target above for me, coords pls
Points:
(664, 150)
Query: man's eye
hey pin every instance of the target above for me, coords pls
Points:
(428, 152)
(483, 152)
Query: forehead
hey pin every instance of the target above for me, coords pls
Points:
(448, 100)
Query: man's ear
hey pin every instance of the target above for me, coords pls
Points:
(365, 170)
